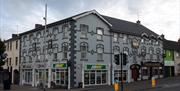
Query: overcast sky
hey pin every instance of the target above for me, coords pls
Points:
(161, 16)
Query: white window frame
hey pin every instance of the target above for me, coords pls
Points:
(84, 30)
(65, 29)
(100, 54)
(99, 34)
(115, 37)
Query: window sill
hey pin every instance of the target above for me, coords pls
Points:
(65, 38)
(83, 59)
(100, 60)
(84, 38)
(99, 40)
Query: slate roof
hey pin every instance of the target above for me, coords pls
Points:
(171, 45)
(118, 25)
(127, 27)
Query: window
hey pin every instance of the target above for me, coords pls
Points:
(55, 32)
(124, 38)
(99, 34)
(10, 46)
(38, 36)
(24, 59)
(16, 44)
(50, 44)
(24, 40)
(9, 61)
(65, 50)
(115, 38)
(16, 61)
(30, 59)
(151, 50)
(116, 49)
(38, 58)
(30, 38)
(117, 75)
(142, 41)
(83, 48)
(65, 29)
(84, 30)
(55, 56)
(100, 49)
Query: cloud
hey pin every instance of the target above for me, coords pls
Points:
(161, 16)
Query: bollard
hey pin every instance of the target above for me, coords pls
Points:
(116, 87)
(153, 82)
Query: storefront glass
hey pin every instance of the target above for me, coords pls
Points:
(93, 77)
(27, 76)
(60, 76)
(41, 76)
(117, 75)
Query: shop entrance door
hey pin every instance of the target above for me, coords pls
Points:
(135, 74)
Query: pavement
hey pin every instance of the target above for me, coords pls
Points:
(162, 84)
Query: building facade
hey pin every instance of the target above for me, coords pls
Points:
(12, 60)
(171, 60)
(81, 49)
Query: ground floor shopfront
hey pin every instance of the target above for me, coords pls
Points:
(89, 74)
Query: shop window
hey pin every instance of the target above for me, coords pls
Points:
(84, 30)
(117, 75)
(145, 72)
(99, 34)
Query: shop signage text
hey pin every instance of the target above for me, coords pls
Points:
(60, 65)
(95, 66)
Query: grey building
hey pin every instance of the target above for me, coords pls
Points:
(85, 44)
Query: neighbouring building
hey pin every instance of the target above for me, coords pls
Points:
(172, 58)
(12, 60)
(81, 48)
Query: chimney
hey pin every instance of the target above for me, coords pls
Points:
(138, 21)
(14, 35)
(38, 25)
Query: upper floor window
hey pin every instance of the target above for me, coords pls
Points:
(158, 51)
(38, 36)
(30, 59)
(83, 48)
(16, 44)
(24, 40)
(30, 38)
(65, 50)
(84, 30)
(151, 50)
(115, 38)
(142, 41)
(10, 45)
(55, 56)
(55, 32)
(50, 43)
(100, 50)
(116, 49)
(125, 40)
(16, 61)
(65, 29)
(99, 34)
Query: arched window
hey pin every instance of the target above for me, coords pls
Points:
(83, 48)
(65, 50)
(100, 50)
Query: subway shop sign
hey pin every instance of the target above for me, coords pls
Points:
(60, 65)
(95, 67)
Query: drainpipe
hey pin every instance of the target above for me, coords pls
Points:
(111, 64)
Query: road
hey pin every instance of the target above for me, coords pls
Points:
(165, 84)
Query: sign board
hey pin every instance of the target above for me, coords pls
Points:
(60, 65)
(168, 63)
(95, 66)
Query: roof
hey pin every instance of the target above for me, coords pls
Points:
(127, 27)
(171, 45)
(116, 25)
(12, 39)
